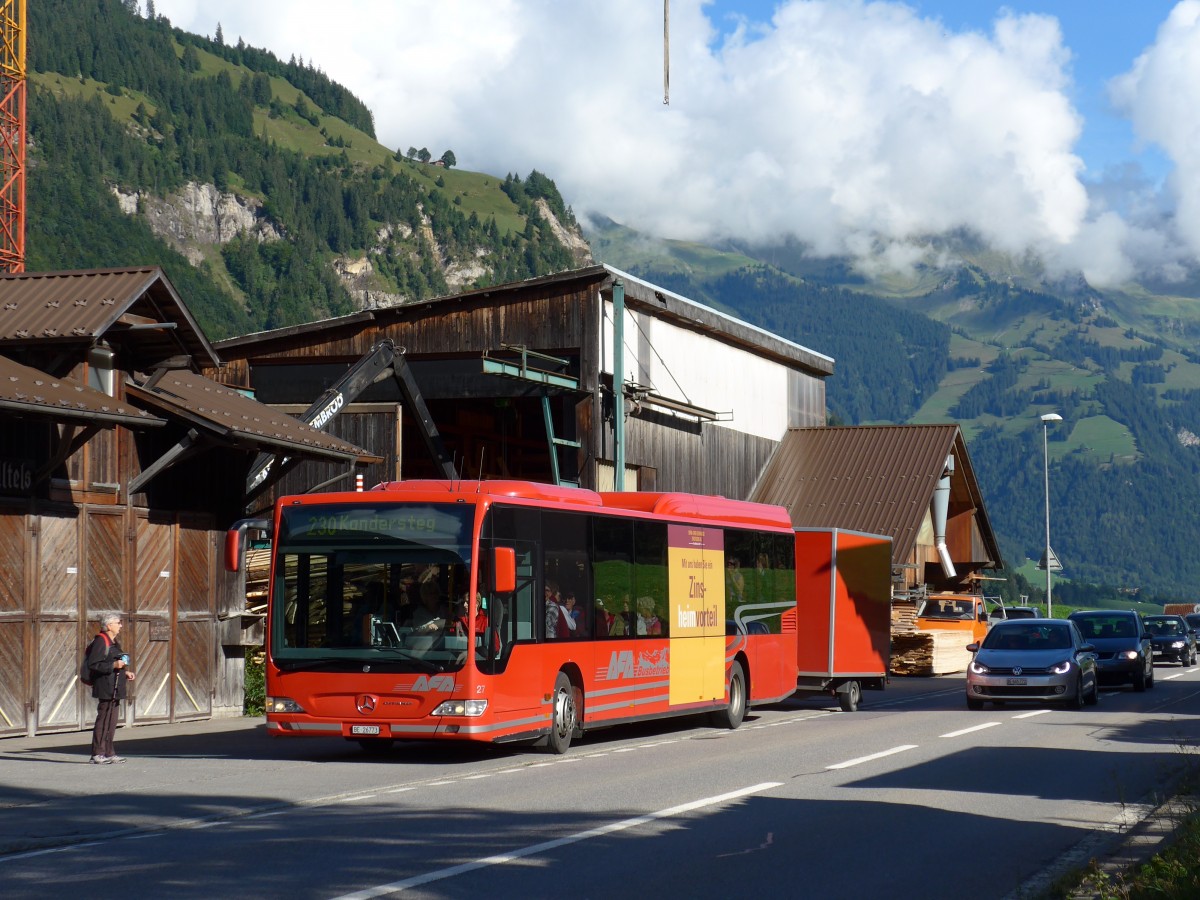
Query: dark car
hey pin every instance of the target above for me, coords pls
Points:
(1193, 620)
(1032, 660)
(1123, 650)
(1003, 613)
(1172, 638)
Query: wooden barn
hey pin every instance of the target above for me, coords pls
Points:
(120, 469)
(517, 381)
(914, 483)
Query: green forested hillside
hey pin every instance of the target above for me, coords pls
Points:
(117, 101)
(992, 351)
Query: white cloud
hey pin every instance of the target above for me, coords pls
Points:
(855, 127)
(1161, 94)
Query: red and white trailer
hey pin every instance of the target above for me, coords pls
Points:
(843, 593)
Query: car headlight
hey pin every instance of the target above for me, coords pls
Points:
(1061, 668)
(283, 705)
(1128, 654)
(1176, 645)
(979, 668)
(460, 708)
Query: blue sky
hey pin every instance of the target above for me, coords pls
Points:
(1067, 130)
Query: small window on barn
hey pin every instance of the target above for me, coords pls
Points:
(100, 369)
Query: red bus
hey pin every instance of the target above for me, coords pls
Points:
(506, 611)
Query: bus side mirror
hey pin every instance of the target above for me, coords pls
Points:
(235, 541)
(504, 570)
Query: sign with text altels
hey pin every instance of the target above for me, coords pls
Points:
(16, 476)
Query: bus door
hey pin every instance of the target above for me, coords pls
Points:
(512, 618)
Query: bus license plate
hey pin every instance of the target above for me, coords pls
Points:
(1018, 681)
(364, 729)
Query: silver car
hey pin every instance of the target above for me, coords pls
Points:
(1032, 660)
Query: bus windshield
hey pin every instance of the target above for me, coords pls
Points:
(378, 585)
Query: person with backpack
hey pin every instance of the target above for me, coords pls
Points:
(107, 668)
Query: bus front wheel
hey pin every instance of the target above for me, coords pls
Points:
(565, 713)
(735, 710)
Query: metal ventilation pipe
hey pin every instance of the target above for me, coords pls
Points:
(940, 510)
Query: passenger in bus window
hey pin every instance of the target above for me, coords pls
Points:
(647, 620)
(735, 582)
(626, 626)
(571, 605)
(762, 578)
(603, 619)
(559, 623)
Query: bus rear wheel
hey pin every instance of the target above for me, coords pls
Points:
(735, 710)
(565, 715)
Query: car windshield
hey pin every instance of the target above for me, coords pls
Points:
(1028, 637)
(1193, 620)
(1101, 627)
(948, 609)
(1164, 627)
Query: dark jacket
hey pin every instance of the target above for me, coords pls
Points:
(107, 683)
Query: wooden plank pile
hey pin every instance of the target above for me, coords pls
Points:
(904, 617)
(930, 652)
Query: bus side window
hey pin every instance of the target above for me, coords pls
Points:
(612, 575)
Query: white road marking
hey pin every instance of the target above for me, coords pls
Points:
(1170, 677)
(963, 731)
(546, 846)
(1030, 715)
(862, 759)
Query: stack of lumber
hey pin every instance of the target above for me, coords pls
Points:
(904, 617)
(1181, 609)
(258, 574)
(930, 652)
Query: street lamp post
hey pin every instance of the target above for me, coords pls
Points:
(1046, 420)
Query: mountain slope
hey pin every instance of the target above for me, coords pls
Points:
(304, 214)
(998, 347)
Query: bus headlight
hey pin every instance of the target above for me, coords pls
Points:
(460, 708)
(283, 705)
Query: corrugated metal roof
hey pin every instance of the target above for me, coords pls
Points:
(239, 419)
(877, 479)
(137, 305)
(30, 392)
(642, 295)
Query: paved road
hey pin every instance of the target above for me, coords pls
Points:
(913, 796)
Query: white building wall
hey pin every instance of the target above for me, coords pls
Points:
(693, 368)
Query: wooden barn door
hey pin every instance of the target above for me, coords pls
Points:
(105, 567)
(153, 616)
(59, 632)
(195, 654)
(15, 677)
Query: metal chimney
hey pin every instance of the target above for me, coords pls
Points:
(940, 510)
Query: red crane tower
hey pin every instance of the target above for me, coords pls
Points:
(12, 135)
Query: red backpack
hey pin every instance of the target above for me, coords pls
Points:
(85, 674)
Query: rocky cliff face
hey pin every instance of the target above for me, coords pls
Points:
(199, 218)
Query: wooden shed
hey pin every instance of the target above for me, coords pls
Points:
(518, 381)
(120, 469)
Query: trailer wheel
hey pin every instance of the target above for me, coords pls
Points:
(850, 696)
(731, 716)
(565, 711)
